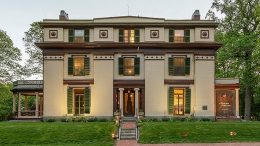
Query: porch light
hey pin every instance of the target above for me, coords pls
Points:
(232, 133)
(113, 135)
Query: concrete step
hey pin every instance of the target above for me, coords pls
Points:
(127, 137)
(128, 131)
(129, 119)
(228, 119)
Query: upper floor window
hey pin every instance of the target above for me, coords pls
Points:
(179, 66)
(78, 65)
(129, 35)
(78, 35)
(179, 36)
(129, 66)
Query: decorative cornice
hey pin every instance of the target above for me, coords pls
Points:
(53, 57)
(103, 57)
(79, 82)
(204, 57)
(178, 82)
(154, 57)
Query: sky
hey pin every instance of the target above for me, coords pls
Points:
(17, 15)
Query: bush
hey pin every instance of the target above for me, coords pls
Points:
(50, 120)
(165, 119)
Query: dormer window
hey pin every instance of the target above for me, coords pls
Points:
(179, 36)
(129, 35)
(78, 35)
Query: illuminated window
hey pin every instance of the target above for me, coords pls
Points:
(129, 35)
(179, 36)
(179, 66)
(78, 35)
(78, 66)
(129, 67)
(178, 105)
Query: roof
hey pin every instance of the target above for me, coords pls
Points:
(128, 21)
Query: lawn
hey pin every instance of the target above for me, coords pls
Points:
(57, 133)
(199, 132)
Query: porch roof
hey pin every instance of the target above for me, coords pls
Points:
(28, 86)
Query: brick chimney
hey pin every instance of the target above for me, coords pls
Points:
(63, 15)
(196, 15)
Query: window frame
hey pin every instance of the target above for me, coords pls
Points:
(127, 39)
(77, 56)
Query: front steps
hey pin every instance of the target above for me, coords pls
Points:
(128, 129)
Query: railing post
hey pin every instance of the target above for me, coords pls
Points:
(37, 104)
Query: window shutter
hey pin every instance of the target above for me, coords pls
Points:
(71, 35)
(87, 65)
(170, 100)
(137, 36)
(171, 35)
(69, 100)
(70, 66)
(170, 66)
(120, 65)
(86, 35)
(187, 35)
(137, 66)
(87, 100)
(121, 35)
(187, 66)
(187, 100)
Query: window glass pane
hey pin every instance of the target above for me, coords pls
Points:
(126, 35)
(179, 66)
(78, 66)
(79, 36)
(179, 36)
(132, 36)
(129, 66)
(178, 101)
(79, 101)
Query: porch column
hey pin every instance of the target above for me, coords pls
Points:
(136, 101)
(121, 94)
(14, 103)
(26, 103)
(237, 102)
(37, 104)
(19, 105)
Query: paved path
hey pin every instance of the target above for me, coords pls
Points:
(134, 143)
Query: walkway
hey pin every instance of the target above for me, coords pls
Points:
(134, 143)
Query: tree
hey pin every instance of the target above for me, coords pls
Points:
(6, 101)
(10, 69)
(34, 63)
(239, 56)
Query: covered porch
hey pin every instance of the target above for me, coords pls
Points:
(27, 99)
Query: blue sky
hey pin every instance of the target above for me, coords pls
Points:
(17, 15)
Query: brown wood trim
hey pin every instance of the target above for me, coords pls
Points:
(179, 82)
(78, 82)
(129, 83)
(226, 86)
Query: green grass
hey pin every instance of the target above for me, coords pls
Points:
(199, 132)
(56, 133)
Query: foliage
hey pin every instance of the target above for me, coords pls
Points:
(10, 69)
(34, 63)
(199, 132)
(56, 133)
(240, 55)
(6, 101)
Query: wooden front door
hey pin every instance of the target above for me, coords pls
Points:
(129, 102)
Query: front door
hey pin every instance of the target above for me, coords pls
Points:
(79, 102)
(129, 103)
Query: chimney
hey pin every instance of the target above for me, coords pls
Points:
(196, 15)
(63, 15)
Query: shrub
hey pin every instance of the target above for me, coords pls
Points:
(50, 120)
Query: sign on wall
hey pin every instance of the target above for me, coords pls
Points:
(226, 100)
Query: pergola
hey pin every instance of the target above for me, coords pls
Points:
(23, 90)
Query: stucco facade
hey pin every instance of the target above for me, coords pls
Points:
(129, 66)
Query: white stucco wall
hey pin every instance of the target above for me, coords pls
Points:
(110, 37)
(148, 35)
(204, 87)
(48, 39)
(54, 100)
(155, 97)
(102, 90)
(211, 35)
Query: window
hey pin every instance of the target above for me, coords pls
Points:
(179, 100)
(179, 36)
(78, 35)
(78, 100)
(129, 35)
(178, 105)
(78, 65)
(179, 66)
(129, 66)
(129, 69)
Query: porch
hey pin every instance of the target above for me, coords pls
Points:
(27, 99)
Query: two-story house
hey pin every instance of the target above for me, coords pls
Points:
(133, 65)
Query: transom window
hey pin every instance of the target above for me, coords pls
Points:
(129, 35)
(129, 67)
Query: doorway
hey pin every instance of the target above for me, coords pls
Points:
(129, 102)
(79, 101)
